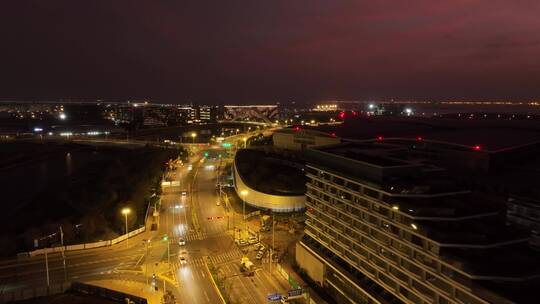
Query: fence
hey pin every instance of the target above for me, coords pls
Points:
(86, 245)
(29, 293)
(114, 295)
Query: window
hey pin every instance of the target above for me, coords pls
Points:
(338, 181)
(377, 261)
(399, 246)
(370, 244)
(371, 193)
(400, 275)
(362, 202)
(465, 298)
(438, 283)
(390, 256)
(413, 269)
(423, 289)
(380, 237)
(426, 260)
(360, 251)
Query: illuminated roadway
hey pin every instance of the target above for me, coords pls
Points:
(201, 222)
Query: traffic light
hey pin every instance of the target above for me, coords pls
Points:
(165, 237)
(205, 154)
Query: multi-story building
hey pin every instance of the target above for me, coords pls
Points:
(524, 212)
(387, 225)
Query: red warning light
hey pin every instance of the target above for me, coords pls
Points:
(477, 148)
(342, 115)
(354, 113)
(334, 134)
(297, 128)
(419, 138)
(380, 138)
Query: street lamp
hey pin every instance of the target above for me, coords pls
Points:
(125, 212)
(193, 135)
(245, 142)
(244, 193)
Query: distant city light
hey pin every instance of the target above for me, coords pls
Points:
(408, 111)
(371, 106)
(380, 138)
(38, 129)
(62, 116)
(477, 148)
(414, 226)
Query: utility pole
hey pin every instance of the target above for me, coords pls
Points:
(63, 252)
(146, 261)
(173, 224)
(168, 253)
(273, 239)
(47, 268)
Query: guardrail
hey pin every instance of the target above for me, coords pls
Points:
(86, 245)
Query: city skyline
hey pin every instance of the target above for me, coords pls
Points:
(265, 52)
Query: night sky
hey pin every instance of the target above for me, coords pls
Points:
(267, 51)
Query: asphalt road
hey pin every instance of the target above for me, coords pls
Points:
(200, 221)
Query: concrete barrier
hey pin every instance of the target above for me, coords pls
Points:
(96, 244)
(75, 247)
(86, 245)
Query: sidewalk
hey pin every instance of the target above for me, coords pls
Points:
(131, 287)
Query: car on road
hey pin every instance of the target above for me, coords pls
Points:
(253, 240)
(241, 242)
(218, 203)
(181, 242)
(183, 260)
(259, 255)
(184, 193)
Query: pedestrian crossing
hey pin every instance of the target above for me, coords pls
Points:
(227, 257)
(191, 236)
(232, 255)
(197, 262)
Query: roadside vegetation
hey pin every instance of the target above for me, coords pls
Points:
(87, 200)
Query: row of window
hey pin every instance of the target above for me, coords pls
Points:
(379, 267)
(380, 238)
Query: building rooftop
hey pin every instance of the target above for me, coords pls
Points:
(304, 131)
(491, 135)
(270, 173)
(518, 261)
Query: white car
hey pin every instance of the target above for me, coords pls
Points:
(181, 242)
(218, 203)
(183, 260)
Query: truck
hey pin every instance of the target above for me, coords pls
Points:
(247, 267)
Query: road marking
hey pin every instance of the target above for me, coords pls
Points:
(139, 260)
